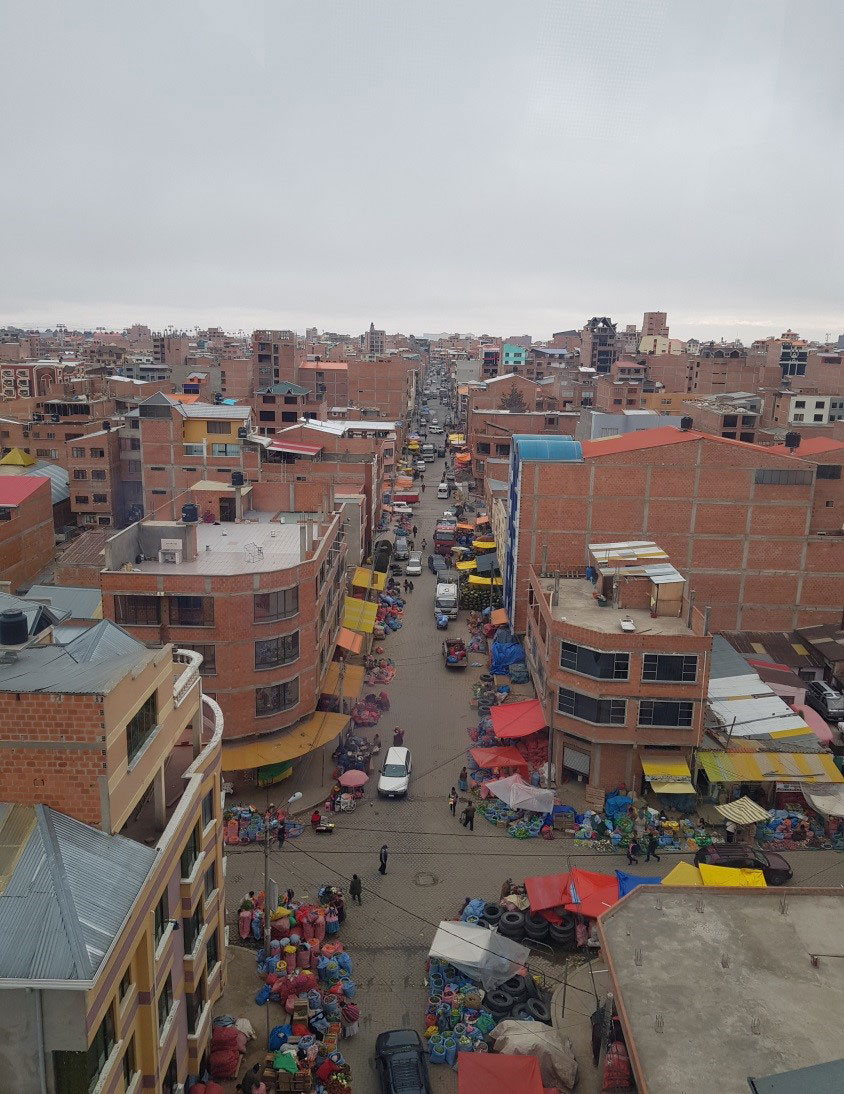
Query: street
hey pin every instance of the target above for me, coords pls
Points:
(434, 864)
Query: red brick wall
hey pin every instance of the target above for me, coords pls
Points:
(27, 540)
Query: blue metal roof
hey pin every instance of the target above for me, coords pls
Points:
(530, 446)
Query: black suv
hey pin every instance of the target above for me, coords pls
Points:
(401, 1063)
(773, 866)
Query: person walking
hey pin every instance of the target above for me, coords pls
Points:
(452, 801)
(280, 834)
(415, 531)
(382, 858)
(423, 487)
(424, 543)
(470, 817)
(355, 889)
(731, 831)
(398, 737)
(406, 584)
(651, 845)
(376, 745)
(410, 583)
(633, 851)
(506, 887)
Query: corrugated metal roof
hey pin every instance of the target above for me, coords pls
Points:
(725, 661)
(548, 449)
(68, 896)
(77, 602)
(212, 410)
(59, 484)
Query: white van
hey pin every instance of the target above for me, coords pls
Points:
(442, 490)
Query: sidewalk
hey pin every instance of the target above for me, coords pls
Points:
(311, 777)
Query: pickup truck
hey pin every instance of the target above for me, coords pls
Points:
(400, 1060)
(454, 654)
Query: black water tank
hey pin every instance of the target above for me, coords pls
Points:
(190, 514)
(237, 478)
(686, 422)
(792, 440)
(14, 630)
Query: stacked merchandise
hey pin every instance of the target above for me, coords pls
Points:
(228, 1045)
(367, 711)
(792, 828)
(379, 671)
(613, 829)
(245, 824)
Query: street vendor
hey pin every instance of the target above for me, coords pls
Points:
(316, 818)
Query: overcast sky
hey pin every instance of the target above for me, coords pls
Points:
(510, 166)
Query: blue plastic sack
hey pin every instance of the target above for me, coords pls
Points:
(278, 1037)
(263, 995)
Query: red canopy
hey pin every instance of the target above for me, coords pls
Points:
(496, 758)
(496, 1073)
(518, 719)
(547, 891)
(591, 894)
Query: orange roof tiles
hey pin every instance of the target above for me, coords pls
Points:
(657, 438)
(809, 447)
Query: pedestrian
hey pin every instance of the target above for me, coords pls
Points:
(382, 858)
(355, 889)
(506, 887)
(651, 845)
(633, 851)
(415, 530)
(731, 831)
(412, 543)
(410, 583)
(280, 834)
(463, 779)
(424, 543)
(423, 487)
(398, 737)
(316, 819)
(376, 745)
(452, 801)
(406, 584)
(470, 817)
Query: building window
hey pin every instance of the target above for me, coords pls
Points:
(277, 605)
(125, 984)
(77, 453)
(81, 499)
(595, 663)
(661, 712)
(162, 917)
(194, 1004)
(270, 652)
(219, 427)
(190, 854)
(277, 697)
(98, 475)
(208, 653)
(79, 1072)
(137, 611)
(210, 880)
(225, 449)
(194, 449)
(266, 415)
(99, 499)
(660, 666)
(611, 712)
(141, 726)
(829, 471)
(129, 1063)
(207, 808)
(165, 1003)
(97, 453)
(191, 929)
(192, 611)
(213, 951)
(78, 475)
(782, 478)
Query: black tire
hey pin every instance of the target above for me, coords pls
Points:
(538, 1011)
(499, 1003)
(492, 913)
(516, 987)
(511, 922)
(483, 923)
(521, 1013)
(562, 936)
(534, 919)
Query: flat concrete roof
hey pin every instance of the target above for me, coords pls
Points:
(577, 606)
(715, 985)
(231, 549)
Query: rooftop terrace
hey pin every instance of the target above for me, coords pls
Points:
(575, 604)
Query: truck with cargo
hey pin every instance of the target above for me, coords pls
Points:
(446, 594)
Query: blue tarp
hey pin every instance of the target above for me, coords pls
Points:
(502, 656)
(628, 882)
(616, 805)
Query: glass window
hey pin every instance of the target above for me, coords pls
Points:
(213, 951)
(79, 1072)
(210, 880)
(207, 808)
(661, 712)
(141, 726)
(194, 449)
(97, 453)
(194, 1002)
(225, 449)
(783, 478)
(219, 427)
(191, 928)
(595, 663)
(208, 653)
(165, 1003)
(611, 712)
(277, 697)
(100, 498)
(192, 611)
(79, 475)
(129, 1063)
(162, 917)
(660, 666)
(276, 605)
(98, 476)
(125, 984)
(190, 854)
(276, 651)
(829, 471)
(77, 453)
(138, 611)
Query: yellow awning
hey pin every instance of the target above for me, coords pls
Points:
(483, 544)
(365, 578)
(352, 680)
(475, 579)
(756, 767)
(664, 765)
(468, 565)
(290, 744)
(359, 615)
(730, 877)
(680, 787)
(683, 874)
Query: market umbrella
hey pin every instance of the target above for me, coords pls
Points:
(353, 778)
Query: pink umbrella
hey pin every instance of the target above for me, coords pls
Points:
(353, 778)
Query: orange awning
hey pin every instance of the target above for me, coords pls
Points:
(349, 640)
(518, 719)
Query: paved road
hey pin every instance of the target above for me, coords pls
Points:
(434, 863)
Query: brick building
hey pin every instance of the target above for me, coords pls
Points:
(259, 599)
(274, 357)
(740, 521)
(282, 404)
(598, 345)
(26, 528)
(655, 324)
(620, 663)
(95, 478)
(111, 789)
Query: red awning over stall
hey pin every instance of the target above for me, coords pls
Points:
(547, 891)
(496, 758)
(518, 719)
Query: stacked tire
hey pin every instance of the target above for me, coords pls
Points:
(537, 928)
(499, 1003)
(562, 934)
(492, 913)
(512, 925)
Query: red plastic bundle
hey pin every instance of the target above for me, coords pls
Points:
(223, 1063)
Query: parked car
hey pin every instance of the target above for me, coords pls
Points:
(395, 774)
(401, 552)
(441, 450)
(421, 466)
(773, 866)
(828, 702)
(401, 1064)
(443, 490)
(436, 563)
(414, 564)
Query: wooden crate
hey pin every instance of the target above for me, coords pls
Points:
(301, 1083)
(300, 1010)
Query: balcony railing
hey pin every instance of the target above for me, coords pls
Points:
(188, 678)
